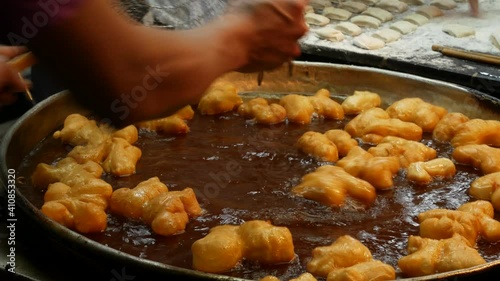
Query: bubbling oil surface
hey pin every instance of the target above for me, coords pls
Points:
(243, 171)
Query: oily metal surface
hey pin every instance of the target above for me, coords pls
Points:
(307, 78)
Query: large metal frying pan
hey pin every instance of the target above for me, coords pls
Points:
(342, 80)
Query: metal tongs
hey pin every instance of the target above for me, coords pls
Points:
(288, 18)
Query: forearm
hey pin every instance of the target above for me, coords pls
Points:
(129, 71)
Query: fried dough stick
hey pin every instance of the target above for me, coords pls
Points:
(325, 107)
(101, 144)
(477, 131)
(318, 145)
(484, 212)
(219, 98)
(225, 246)
(360, 101)
(424, 114)
(442, 224)
(375, 123)
(480, 156)
(425, 172)
(406, 150)
(447, 127)
(378, 171)
(343, 252)
(374, 270)
(76, 197)
(82, 208)
(262, 112)
(173, 124)
(487, 188)
(428, 256)
(330, 185)
(167, 212)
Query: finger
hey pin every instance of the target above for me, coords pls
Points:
(12, 51)
(474, 7)
(10, 82)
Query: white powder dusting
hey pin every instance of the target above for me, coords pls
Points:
(416, 46)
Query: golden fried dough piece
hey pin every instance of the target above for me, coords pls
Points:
(80, 207)
(266, 243)
(78, 130)
(173, 124)
(487, 188)
(442, 224)
(98, 149)
(325, 107)
(128, 133)
(342, 140)
(329, 185)
(343, 252)
(483, 210)
(375, 124)
(378, 171)
(122, 158)
(67, 171)
(304, 277)
(477, 131)
(169, 212)
(360, 101)
(219, 99)
(299, 109)
(428, 256)
(101, 143)
(219, 251)
(446, 127)
(416, 110)
(406, 150)
(365, 271)
(480, 156)
(424, 172)
(129, 202)
(263, 112)
(269, 278)
(318, 145)
(256, 240)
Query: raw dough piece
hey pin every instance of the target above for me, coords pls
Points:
(416, 19)
(330, 33)
(495, 38)
(404, 27)
(315, 19)
(308, 9)
(368, 42)
(349, 28)
(430, 11)
(366, 21)
(444, 4)
(320, 4)
(394, 6)
(458, 30)
(387, 35)
(336, 13)
(369, 2)
(414, 2)
(378, 13)
(353, 6)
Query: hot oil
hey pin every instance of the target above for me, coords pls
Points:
(243, 171)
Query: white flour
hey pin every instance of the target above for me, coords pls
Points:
(416, 46)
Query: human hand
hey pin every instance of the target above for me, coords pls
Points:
(474, 7)
(10, 82)
(271, 31)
